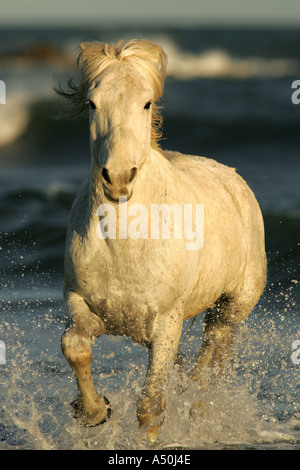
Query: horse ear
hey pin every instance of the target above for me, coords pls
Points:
(91, 50)
(159, 60)
(158, 55)
(162, 62)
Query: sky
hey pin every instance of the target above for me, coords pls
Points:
(141, 12)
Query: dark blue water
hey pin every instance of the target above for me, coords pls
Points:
(228, 97)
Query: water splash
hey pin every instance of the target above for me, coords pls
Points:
(255, 407)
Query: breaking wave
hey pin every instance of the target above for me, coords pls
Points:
(218, 63)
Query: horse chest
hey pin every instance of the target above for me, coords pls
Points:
(125, 306)
(125, 291)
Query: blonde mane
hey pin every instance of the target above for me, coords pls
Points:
(94, 57)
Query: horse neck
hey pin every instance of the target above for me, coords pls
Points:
(96, 194)
(159, 179)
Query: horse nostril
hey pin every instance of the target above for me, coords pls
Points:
(123, 178)
(105, 175)
(133, 172)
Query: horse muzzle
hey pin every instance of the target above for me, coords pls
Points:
(118, 184)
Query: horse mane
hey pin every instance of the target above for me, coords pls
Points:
(94, 57)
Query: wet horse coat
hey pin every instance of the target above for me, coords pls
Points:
(144, 287)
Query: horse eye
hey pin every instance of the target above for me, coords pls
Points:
(147, 105)
(92, 104)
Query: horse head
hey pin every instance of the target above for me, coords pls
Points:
(121, 85)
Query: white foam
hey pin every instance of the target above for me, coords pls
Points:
(14, 120)
(219, 63)
(23, 88)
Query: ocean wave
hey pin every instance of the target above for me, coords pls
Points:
(218, 63)
(24, 89)
(14, 124)
(182, 64)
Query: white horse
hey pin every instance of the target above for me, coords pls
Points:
(140, 286)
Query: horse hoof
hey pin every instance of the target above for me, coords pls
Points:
(153, 433)
(108, 415)
(92, 420)
(108, 410)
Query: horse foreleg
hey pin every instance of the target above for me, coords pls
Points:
(76, 344)
(151, 405)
